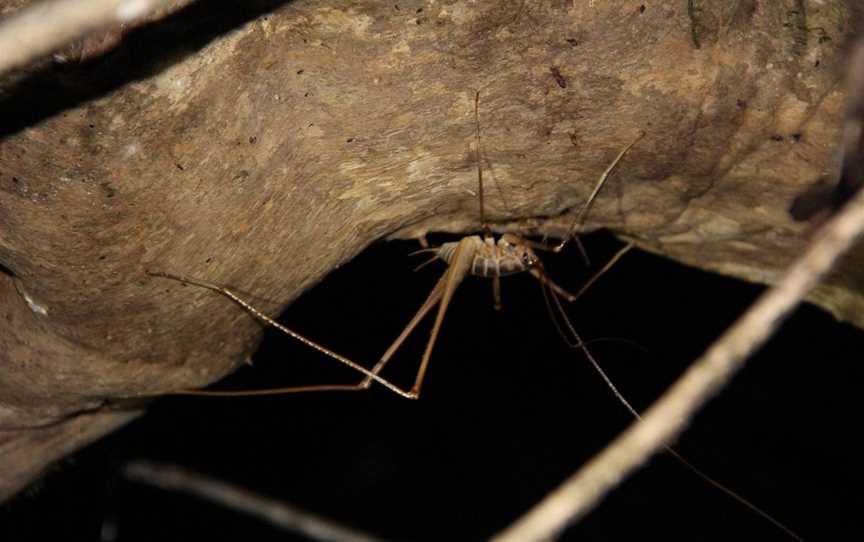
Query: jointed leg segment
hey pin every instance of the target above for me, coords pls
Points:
(266, 319)
(600, 182)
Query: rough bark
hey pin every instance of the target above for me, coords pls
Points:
(260, 147)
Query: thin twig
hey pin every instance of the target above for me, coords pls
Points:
(44, 27)
(670, 415)
(277, 513)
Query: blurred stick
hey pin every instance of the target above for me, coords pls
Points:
(707, 376)
(43, 27)
(279, 514)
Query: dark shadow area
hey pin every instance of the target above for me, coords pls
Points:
(143, 52)
(507, 414)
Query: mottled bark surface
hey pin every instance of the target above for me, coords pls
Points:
(260, 149)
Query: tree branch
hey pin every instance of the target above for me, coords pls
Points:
(280, 514)
(46, 26)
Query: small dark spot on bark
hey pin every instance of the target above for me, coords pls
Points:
(418, 21)
(92, 125)
(776, 137)
(824, 39)
(102, 257)
(253, 140)
(306, 95)
(816, 64)
(419, 10)
(179, 167)
(641, 9)
(396, 7)
(299, 71)
(813, 200)
(15, 180)
(349, 140)
(572, 41)
(741, 103)
(311, 124)
(208, 260)
(560, 79)
(796, 137)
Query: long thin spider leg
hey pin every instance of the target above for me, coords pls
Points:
(587, 205)
(267, 320)
(612, 261)
(424, 250)
(486, 231)
(427, 262)
(432, 300)
(540, 275)
(547, 291)
(460, 264)
(541, 245)
(618, 395)
(582, 252)
(274, 391)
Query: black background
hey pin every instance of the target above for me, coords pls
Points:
(507, 413)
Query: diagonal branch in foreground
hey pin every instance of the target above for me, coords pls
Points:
(669, 416)
(46, 26)
(277, 513)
